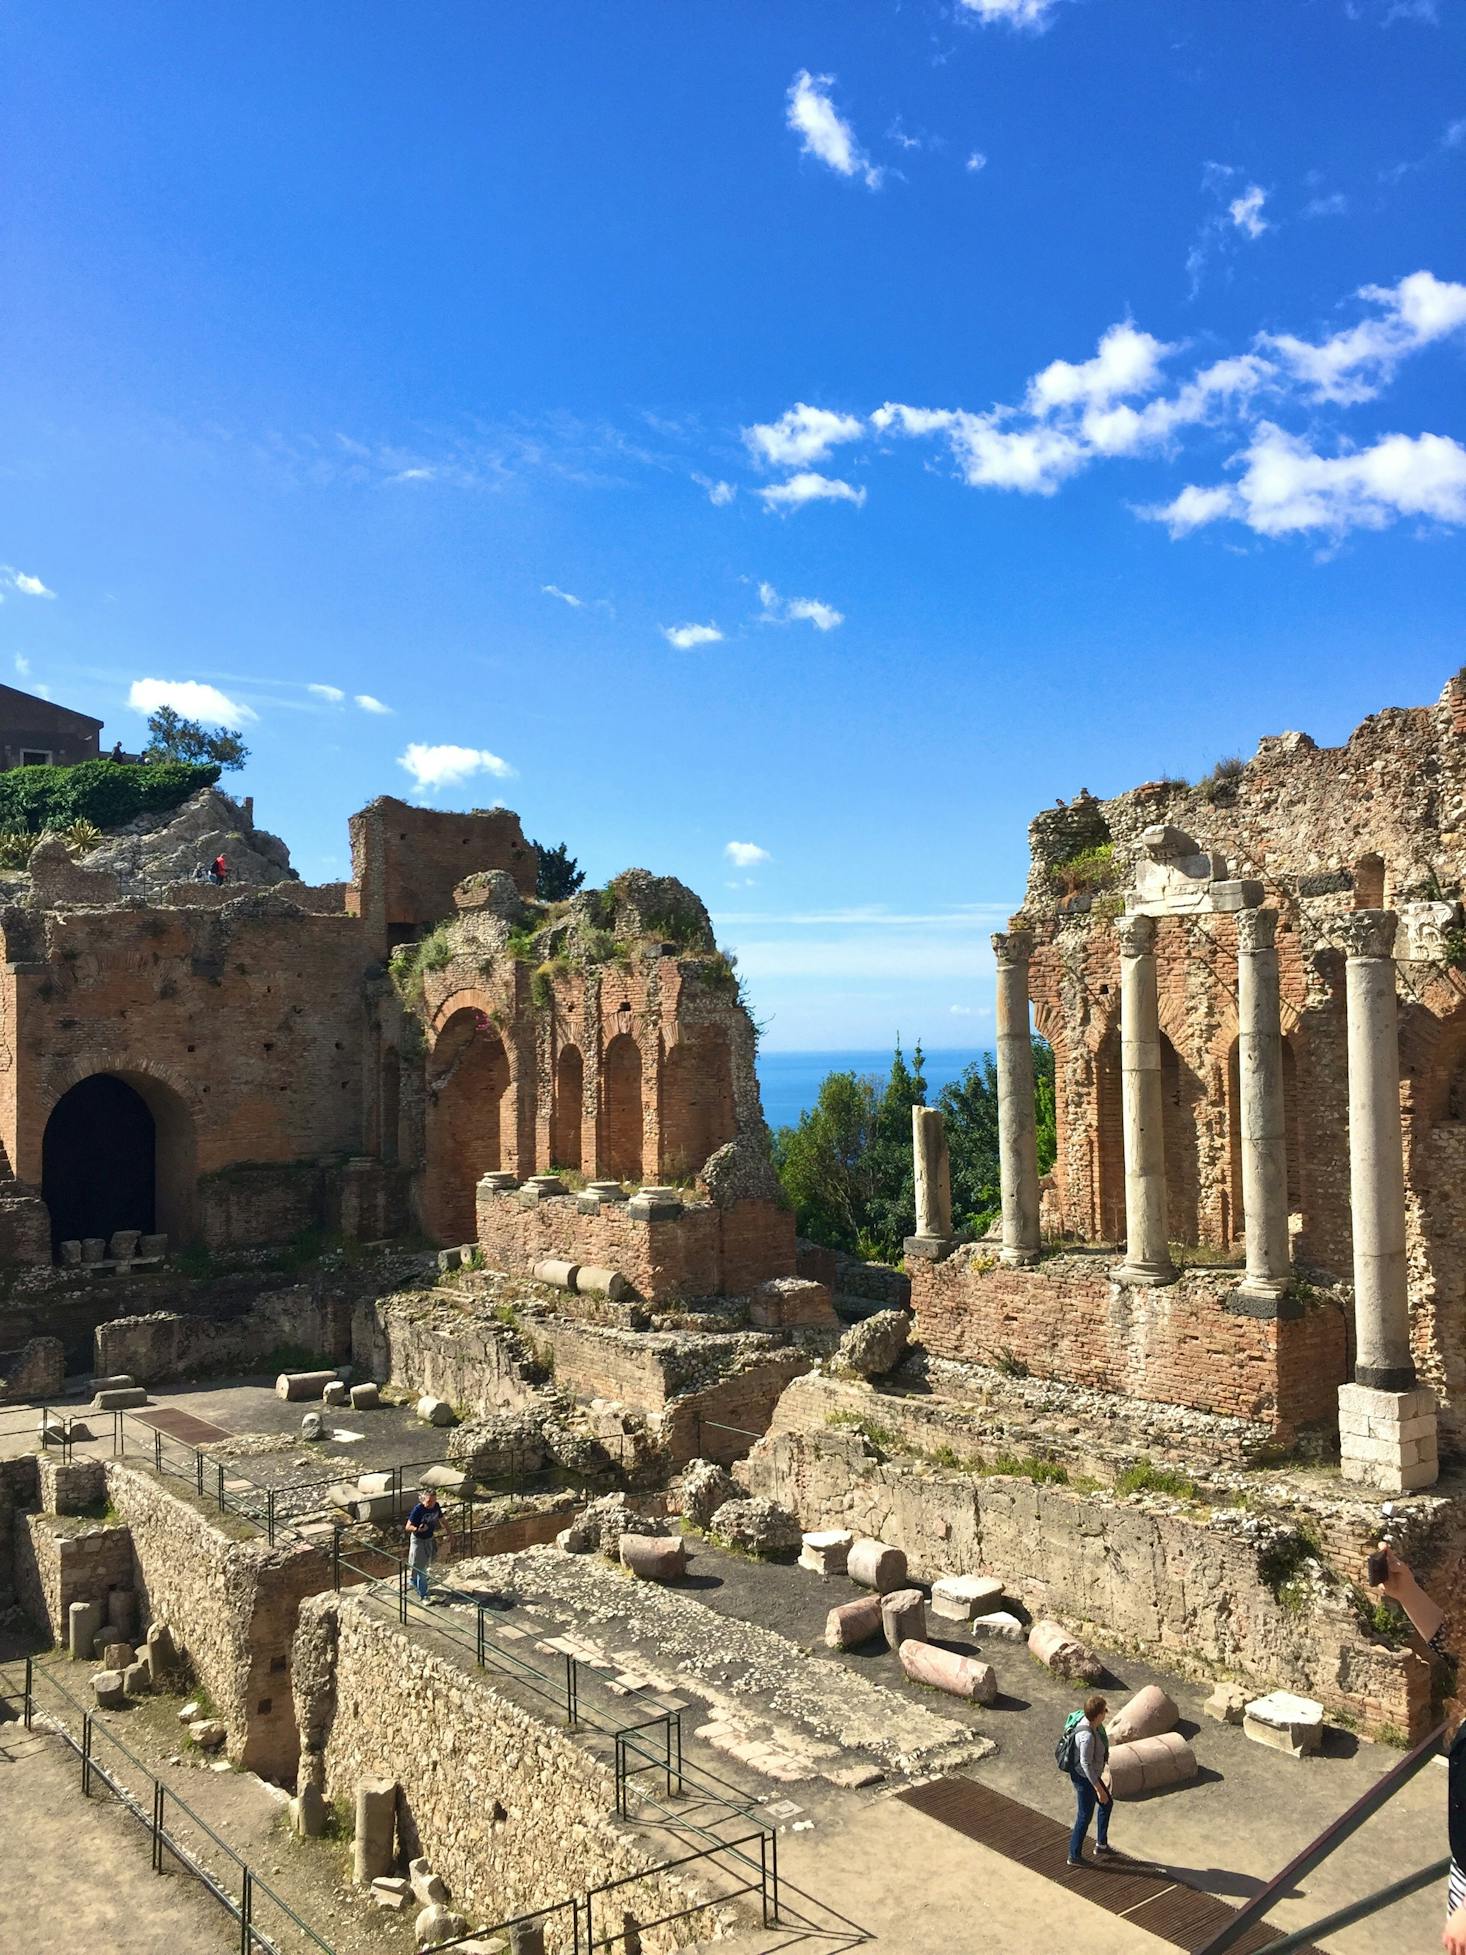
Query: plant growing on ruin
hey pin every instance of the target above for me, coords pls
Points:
(15, 848)
(558, 875)
(81, 836)
(1220, 785)
(102, 791)
(1144, 1476)
(1010, 1364)
(521, 946)
(1085, 871)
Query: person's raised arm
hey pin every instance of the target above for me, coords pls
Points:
(1401, 1586)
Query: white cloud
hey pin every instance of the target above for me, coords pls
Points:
(565, 597)
(976, 161)
(746, 855)
(687, 637)
(1246, 211)
(432, 767)
(333, 695)
(1034, 15)
(796, 610)
(802, 434)
(1335, 204)
(1286, 487)
(369, 704)
(823, 131)
(809, 486)
(963, 1011)
(190, 697)
(22, 581)
(42, 692)
(1126, 362)
(22, 665)
(720, 494)
(1353, 365)
(1455, 136)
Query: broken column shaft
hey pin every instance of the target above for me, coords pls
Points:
(933, 1170)
(1017, 1114)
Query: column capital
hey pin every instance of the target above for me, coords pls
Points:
(1256, 929)
(1013, 946)
(1367, 933)
(1136, 935)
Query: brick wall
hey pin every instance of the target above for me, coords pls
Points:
(411, 859)
(1175, 1344)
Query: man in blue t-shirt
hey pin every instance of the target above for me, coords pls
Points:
(422, 1543)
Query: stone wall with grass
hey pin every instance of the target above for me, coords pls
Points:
(1208, 1591)
(512, 1811)
(66, 1558)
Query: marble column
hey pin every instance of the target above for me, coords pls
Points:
(1261, 1112)
(1387, 1423)
(1147, 1248)
(933, 1238)
(1017, 1136)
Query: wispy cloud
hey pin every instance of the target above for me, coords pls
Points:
(21, 580)
(369, 704)
(807, 487)
(565, 597)
(333, 695)
(823, 131)
(976, 161)
(746, 855)
(1032, 15)
(1334, 204)
(801, 434)
(688, 637)
(720, 494)
(778, 610)
(1236, 214)
(434, 767)
(1246, 211)
(1354, 364)
(194, 699)
(22, 665)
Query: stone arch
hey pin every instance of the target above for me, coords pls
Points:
(567, 1109)
(119, 1152)
(1109, 1140)
(469, 1106)
(696, 1099)
(622, 1131)
(1183, 1097)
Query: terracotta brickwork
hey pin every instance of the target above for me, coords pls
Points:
(1177, 1344)
(1380, 821)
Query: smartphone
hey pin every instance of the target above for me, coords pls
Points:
(1377, 1567)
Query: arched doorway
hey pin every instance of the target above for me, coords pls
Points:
(696, 1100)
(117, 1155)
(1109, 1140)
(622, 1129)
(468, 1077)
(568, 1109)
(1182, 1103)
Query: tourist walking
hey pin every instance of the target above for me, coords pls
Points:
(1084, 1751)
(1429, 1621)
(422, 1540)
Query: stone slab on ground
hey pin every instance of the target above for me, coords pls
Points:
(961, 1598)
(1284, 1722)
(826, 1551)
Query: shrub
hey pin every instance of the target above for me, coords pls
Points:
(542, 986)
(1221, 783)
(105, 792)
(81, 836)
(1146, 1477)
(15, 848)
(1088, 870)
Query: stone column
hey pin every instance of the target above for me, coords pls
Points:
(1261, 1113)
(933, 1238)
(1147, 1249)
(1017, 1139)
(1387, 1435)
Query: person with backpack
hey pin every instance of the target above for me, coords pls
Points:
(1083, 1753)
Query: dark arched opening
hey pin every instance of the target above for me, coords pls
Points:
(1109, 1141)
(696, 1100)
(1182, 1102)
(568, 1109)
(99, 1162)
(467, 1082)
(622, 1129)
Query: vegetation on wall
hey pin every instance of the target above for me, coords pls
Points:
(847, 1166)
(1086, 870)
(559, 875)
(106, 793)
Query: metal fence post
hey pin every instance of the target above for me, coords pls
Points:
(157, 1826)
(198, 1467)
(86, 1754)
(763, 1875)
(336, 1559)
(246, 1910)
(219, 1483)
(774, 1850)
(157, 1450)
(119, 1435)
(479, 1649)
(572, 1691)
(270, 1516)
(30, 1684)
(402, 1591)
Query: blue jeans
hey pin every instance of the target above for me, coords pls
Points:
(1085, 1800)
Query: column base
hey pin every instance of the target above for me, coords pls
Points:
(1019, 1258)
(1263, 1296)
(1144, 1276)
(1387, 1439)
(1386, 1378)
(929, 1248)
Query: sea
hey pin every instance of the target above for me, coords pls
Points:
(790, 1081)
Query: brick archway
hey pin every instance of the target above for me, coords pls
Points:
(623, 1131)
(568, 1108)
(468, 1089)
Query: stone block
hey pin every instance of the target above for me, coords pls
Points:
(875, 1564)
(1063, 1654)
(655, 1205)
(853, 1623)
(93, 1248)
(826, 1551)
(791, 1303)
(525, 1938)
(83, 1620)
(959, 1676)
(123, 1246)
(149, 1247)
(207, 1733)
(136, 1679)
(450, 1259)
(606, 1191)
(437, 1923)
(308, 1812)
(556, 1271)
(334, 1394)
(124, 1399)
(365, 1398)
(903, 1617)
(999, 1627)
(1149, 1713)
(1284, 1722)
(595, 1280)
(1227, 1703)
(427, 1886)
(376, 1825)
(654, 1557)
(108, 1688)
(391, 1891)
(70, 1253)
(122, 1611)
(117, 1656)
(436, 1411)
(312, 1426)
(1149, 1764)
(117, 1381)
(447, 1479)
(961, 1598)
(303, 1384)
(161, 1652)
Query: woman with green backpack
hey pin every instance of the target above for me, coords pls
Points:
(1083, 1752)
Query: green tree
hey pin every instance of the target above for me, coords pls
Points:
(559, 874)
(824, 1163)
(971, 1107)
(174, 738)
(891, 1204)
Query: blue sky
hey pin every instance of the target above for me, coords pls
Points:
(1029, 394)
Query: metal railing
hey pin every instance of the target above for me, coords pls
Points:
(702, 1426)
(1317, 1851)
(766, 1886)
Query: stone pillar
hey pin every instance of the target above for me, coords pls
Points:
(1261, 1113)
(1387, 1426)
(1017, 1138)
(1147, 1249)
(933, 1238)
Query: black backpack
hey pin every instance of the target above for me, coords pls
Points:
(1066, 1751)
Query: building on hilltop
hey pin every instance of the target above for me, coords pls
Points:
(36, 732)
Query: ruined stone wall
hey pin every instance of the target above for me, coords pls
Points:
(411, 859)
(705, 1251)
(1183, 1590)
(66, 1558)
(18, 1489)
(1177, 1344)
(232, 1606)
(513, 1812)
(468, 1362)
